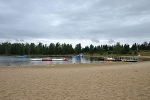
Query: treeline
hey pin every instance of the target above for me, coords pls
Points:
(66, 49)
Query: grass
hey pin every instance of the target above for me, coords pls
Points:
(144, 53)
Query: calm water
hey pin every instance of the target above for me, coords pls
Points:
(13, 61)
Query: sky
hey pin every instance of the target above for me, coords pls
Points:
(96, 22)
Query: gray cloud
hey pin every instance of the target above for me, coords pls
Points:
(94, 20)
(21, 40)
(95, 40)
(17, 40)
(111, 41)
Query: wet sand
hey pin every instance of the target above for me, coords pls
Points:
(93, 81)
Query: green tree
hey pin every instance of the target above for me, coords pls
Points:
(105, 47)
(16, 49)
(32, 48)
(95, 49)
(52, 49)
(58, 48)
(149, 46)
(78, 48)
(134, 46)
(69, 49)
(91, 51)
(126, 49)
(1, 49)
(101, 51)
(44, 49)
(85, 49)
(117, 48)
(64, 48)
(27, 48)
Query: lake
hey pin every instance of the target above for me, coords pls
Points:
(14, 61)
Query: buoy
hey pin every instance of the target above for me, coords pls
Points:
(65, 59)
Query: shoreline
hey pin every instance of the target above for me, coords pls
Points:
(103, 63)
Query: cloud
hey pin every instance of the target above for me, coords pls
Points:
(111, 41)
(19, 40)
(57, 20)
(8, 40)
(95, 40)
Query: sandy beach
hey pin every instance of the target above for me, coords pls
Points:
(93, 81)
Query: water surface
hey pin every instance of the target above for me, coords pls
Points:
(14, 61)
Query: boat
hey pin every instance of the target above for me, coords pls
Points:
(36, 59)
(49, 59)
(46, 59)
(79, 56)
(109, 59)
(64, 59)
(101, 59)
(129, 60)
(21, 56)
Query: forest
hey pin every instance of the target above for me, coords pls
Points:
(7, 48)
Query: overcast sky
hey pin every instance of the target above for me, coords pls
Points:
(75, 21)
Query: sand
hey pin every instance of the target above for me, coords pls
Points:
(93, 81)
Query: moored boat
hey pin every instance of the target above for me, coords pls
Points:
(109, 59)
(130, 60)
(79, 56)
(46, 59)
(49, 59)
(21, 56)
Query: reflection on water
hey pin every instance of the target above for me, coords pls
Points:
(82, 60)
(13, 61)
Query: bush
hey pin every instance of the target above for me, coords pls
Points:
(130, 52)
(135, 52)
(101, 53)
(109, 52)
